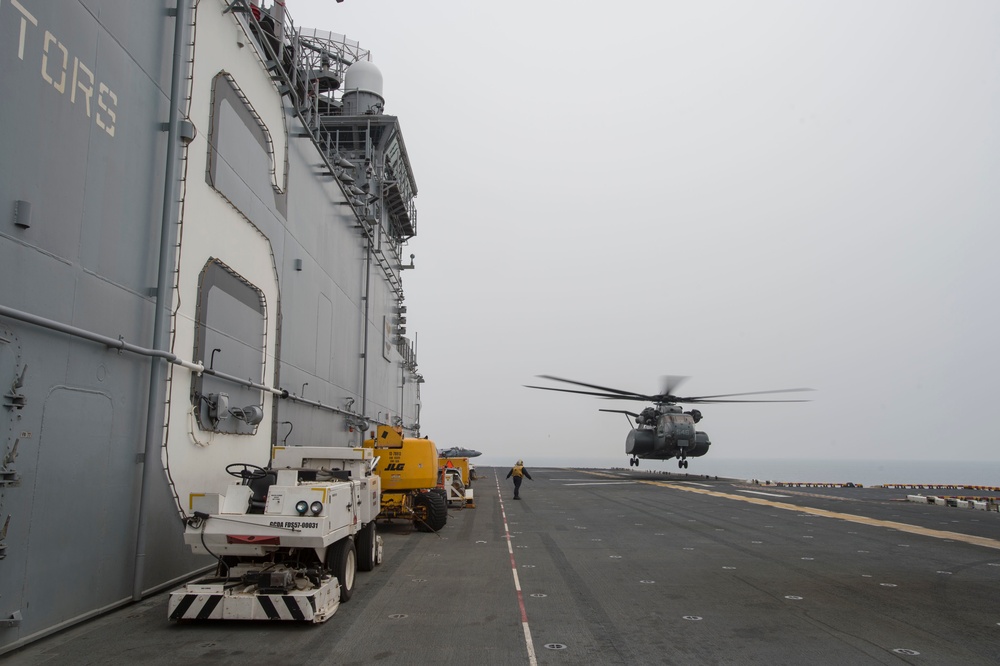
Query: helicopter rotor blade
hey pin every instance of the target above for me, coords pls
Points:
(637, 396)
(695, 401)
(733, 395)
(609, 396)
(668, 384)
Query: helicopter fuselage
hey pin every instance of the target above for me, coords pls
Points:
(665, 433)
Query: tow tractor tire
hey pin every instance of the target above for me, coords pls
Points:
(367, 546)
(342, 559)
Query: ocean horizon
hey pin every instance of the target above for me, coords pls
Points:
(867, 472)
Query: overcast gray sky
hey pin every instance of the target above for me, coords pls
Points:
(756, 194)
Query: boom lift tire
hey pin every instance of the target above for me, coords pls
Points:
(439, 509)
(342, 560)
(367, 547)
(422, 504)
(436, 508)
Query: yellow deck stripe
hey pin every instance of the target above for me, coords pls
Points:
(864, 520)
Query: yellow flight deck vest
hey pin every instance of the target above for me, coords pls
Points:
(517, 470)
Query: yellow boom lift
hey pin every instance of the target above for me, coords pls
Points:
(408, 467)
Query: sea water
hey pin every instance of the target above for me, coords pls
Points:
(863, 471)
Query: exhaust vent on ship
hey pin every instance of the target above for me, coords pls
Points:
(363, 90)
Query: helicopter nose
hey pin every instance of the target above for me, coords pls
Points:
(684, 431)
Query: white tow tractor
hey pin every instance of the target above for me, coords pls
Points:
(458, 495)
(288, 538)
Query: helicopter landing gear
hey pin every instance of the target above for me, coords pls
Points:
(682, 464)
(633, 462)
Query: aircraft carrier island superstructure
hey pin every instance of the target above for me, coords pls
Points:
(200, 257)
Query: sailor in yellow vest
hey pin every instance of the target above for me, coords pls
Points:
(518, 471)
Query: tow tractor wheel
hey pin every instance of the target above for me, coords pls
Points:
(367, 547)
(342, 560)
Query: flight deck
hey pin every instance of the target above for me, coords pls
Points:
(628, 567)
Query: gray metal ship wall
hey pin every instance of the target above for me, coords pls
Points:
(200, 257)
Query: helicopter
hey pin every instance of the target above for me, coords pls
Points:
(665, 430)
